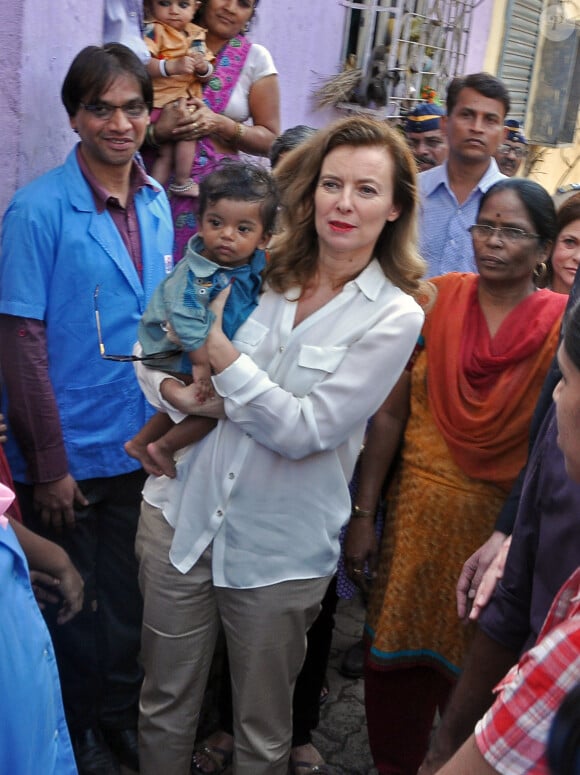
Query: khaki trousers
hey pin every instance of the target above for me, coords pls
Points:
(265, 630)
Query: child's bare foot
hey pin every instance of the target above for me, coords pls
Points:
(139, 451)
(162, 458)
(187, 188)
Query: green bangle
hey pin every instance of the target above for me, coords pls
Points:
(150, 137)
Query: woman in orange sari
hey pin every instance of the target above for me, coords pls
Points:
(462, 409)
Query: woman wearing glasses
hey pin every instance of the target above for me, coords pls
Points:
(486, 346)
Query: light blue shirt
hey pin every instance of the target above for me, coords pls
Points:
(34, 738)
(444, 241)
(56, 249)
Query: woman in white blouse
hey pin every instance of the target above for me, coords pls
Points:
(247, 534)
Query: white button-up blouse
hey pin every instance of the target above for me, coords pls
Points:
(269, 485)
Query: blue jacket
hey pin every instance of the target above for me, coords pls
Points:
(56, 249)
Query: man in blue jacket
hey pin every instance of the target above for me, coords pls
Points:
(83, 247)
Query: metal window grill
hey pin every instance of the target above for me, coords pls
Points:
(397, 53)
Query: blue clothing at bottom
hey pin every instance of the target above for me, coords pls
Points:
(34, 738)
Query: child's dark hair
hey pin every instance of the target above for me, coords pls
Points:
(245, 182)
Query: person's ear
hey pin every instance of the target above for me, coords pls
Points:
(545, 250)
(443, 124)
(394, 213)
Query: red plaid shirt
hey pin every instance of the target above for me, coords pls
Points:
(513, 734)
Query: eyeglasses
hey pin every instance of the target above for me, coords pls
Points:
(125, 358)
(104, 111)
(505, 150)
(504, 233)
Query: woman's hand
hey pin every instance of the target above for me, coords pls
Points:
(176, 122)
(217, 307)
(221, 351)
(206, 122)
(3, 429)
(360, 549)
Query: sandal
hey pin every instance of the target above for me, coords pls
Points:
(305, 768)
(300, 765)
(220, 758)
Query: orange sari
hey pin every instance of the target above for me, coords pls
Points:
(465, 441)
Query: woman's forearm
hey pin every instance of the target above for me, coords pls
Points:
(383, 439)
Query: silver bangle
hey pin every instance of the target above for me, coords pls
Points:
(162, 69)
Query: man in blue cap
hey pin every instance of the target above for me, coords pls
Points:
(425, 135)
(513, 150)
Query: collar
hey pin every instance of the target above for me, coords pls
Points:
(199, 265)
(432, 179)
(138, 179)
(204, 267)
(371, 280)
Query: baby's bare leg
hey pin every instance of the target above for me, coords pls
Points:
(181, 435)
(184, 155)
(163, 165)
(153, 429)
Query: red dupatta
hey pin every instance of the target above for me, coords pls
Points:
(482, 390)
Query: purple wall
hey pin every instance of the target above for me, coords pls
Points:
(39, 39)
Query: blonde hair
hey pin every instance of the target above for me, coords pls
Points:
(295, 250)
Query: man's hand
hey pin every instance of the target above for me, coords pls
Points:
(473, 570)
(56, 502)
(489, 581)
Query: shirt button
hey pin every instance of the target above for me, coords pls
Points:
(231, 475)
(45, 653)
(281, 348)
(219, 513)
(55, 734)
